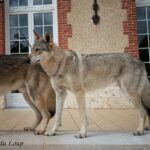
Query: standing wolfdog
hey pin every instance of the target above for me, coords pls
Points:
(32, 81)
(81, 73)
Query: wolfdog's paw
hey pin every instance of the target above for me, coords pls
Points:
(138, 133)
(38, 132)
(81, 135)
(49, 133)
(28, 129)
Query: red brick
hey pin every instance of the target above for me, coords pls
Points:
(2, 29)
(130, 27)
(64, 29)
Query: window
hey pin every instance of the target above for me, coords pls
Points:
(143, 21)
(16, 3)
(22, 16)
(42, 2)
(18, 27)
(43, 22)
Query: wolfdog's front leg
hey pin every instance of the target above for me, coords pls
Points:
(80, 97)
(60, 98)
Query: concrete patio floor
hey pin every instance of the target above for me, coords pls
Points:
(108, 130)
(100, 140)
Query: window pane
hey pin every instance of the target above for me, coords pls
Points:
(13, 20)
(148, 69)
(24, 48)
(14, 34)
(13, 3)
(14, 47)
(48, 29)
(23, 33)
(148, 26)
(142, 27)
(143, 41)
(48, 19)
(23, 19)
(37, 2)
(144, 55)
(39, 30)
(23, 2)
(47, 2)
(148, 12)
(141, 13)
(38, 19)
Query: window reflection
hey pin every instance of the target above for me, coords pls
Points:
(38, 20)
(42, 2)
(143, 41)
(23, 20)
(19, 33)
(147, 65)
(13, 20)
(142, 27)
(141, 13)
(23, 47)
(14, 47)
(16, 3)
(144, 55)
(43, 22)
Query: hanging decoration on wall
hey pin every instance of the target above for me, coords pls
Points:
(95, 18)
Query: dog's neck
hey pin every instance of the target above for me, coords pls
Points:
(51, 63)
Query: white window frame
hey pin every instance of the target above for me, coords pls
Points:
(142, 3)
(30, 9)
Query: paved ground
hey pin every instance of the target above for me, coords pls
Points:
(108, 130)
(103, 140)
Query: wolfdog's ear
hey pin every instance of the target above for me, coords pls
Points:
(36, 35)
(49, 39)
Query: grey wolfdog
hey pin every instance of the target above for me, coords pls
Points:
(78, 73)
(32, 81)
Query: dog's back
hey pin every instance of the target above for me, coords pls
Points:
(13, 70)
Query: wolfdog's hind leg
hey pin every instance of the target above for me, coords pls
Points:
(133, 94)
(40, 129)
(136, 100)
(36, 111)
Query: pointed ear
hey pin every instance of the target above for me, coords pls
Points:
(49, 39)
(36, 35)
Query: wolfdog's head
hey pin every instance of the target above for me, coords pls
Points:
(41, 48)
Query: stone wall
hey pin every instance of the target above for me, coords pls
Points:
(116, 32)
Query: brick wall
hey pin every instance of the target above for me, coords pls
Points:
(2, 29)
(130, 27)
(64, 29)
